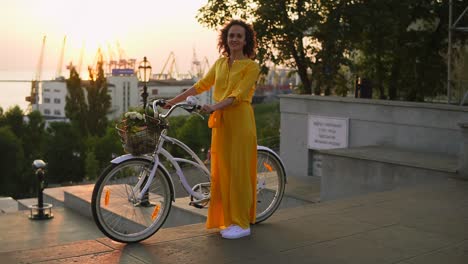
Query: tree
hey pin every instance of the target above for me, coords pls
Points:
(13, 181)
(14, 119)
(21, 149)
(401, 45)
(34, 138)
(332, 36)
(64, 154)
(98, 102)
(76, 108)
(267, 118)
(91, 166)
(101, 150)
(2, 117)
(281, 27)
(107, 147)
(88, 113)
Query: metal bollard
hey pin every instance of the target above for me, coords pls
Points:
(38, 211)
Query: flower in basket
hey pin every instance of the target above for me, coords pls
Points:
(134, 122)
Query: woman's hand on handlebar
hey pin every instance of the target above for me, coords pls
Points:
(168, 104)
(208, 109)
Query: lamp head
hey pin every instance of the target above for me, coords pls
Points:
(144, 70)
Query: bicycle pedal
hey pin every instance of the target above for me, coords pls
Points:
(147, 204)
(196, 205)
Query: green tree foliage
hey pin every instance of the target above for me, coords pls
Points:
(267, 119)
(14, 119)
(13, 181)
(399, 45)
(403, 50)
(24, 147)
(98, 102)
(76, 108)
(2, 117)
(281, 27)
(88, 113)
(108, 147)
(331, 47)
(64, 154)
(34, 137)
(91, 166)
(103, 150)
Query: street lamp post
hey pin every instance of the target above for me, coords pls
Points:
(144, 73)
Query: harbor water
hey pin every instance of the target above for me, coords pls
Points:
(15, 86)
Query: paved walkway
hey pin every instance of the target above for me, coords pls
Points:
(427, 224)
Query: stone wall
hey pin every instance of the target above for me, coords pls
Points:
(410, 125)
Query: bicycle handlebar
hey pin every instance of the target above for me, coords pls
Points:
(190, 105)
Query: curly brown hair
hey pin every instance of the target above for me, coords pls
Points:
(250, 38)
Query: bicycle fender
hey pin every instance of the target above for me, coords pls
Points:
(125, 157)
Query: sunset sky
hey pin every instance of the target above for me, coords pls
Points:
(149, 28)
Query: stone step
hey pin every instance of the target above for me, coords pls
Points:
(8, 205)
(359, 170)
(49, 196)
(78, 198)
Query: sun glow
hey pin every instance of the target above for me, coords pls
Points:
(131, 29)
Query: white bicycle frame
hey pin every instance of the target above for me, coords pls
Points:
(138, 189)
(199, 197)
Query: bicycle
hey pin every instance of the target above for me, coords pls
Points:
(133, 196)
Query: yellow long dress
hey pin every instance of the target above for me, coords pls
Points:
(233, 143)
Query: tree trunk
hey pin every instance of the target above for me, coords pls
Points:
(301, 68)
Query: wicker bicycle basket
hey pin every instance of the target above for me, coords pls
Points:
(142, 141)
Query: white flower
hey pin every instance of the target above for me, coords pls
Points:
(130, 115)
(135, 115)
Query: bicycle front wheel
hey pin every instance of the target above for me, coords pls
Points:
(117, 209)
(271, 181)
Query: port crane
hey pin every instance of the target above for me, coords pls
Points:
(198, 68)
(80, 62)
(171, 60)
(58, 73)
(33, 98)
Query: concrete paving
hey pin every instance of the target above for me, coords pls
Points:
(425, 224)
(8, 205)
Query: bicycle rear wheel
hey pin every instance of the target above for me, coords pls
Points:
(115, 207)
(271, 181)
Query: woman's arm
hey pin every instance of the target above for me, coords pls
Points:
(181, 97)
(223, 104)
(202, 85)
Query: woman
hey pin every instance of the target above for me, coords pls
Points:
(234, 140)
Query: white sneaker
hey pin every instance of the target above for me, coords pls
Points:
(235, 232)
(226, 229)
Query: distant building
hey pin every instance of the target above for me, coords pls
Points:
(51, 102)
(124, 89)
(167, 89)
(124, 93)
